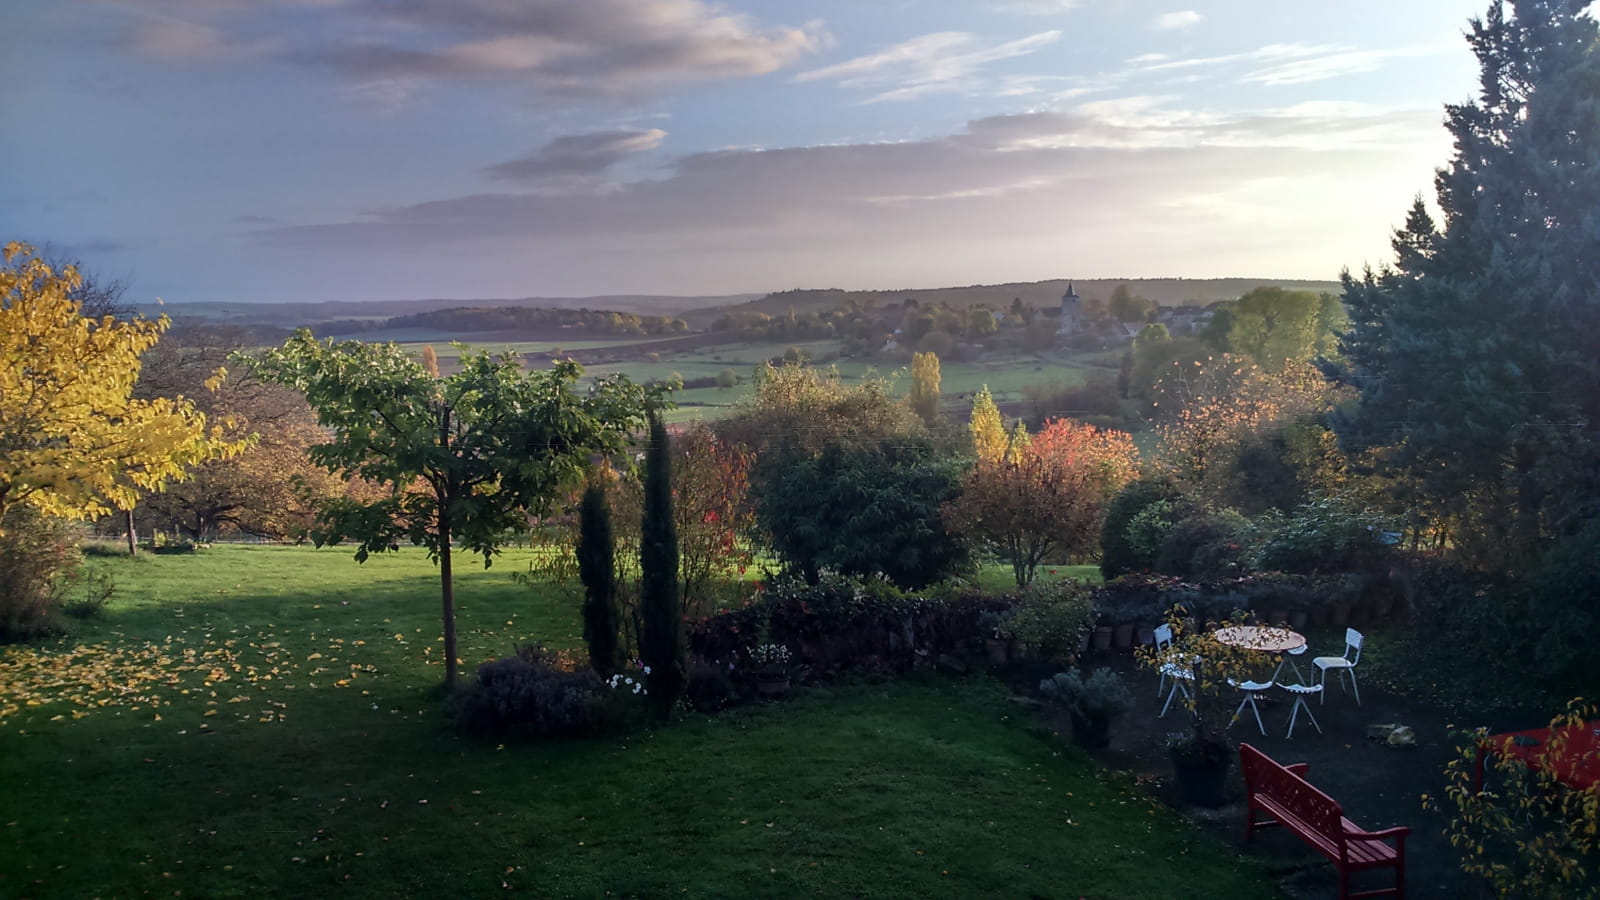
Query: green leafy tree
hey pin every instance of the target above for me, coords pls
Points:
(1477, 345)
(798, 407)
(662, 644)
(863, 509)
(924, 397)
(463, 459)
(1126, 306)
(1274, 326)
(596, 569)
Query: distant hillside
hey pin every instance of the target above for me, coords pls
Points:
(700, 312)
(295, 315)
(1164, 291)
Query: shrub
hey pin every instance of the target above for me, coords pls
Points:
(841, 624)
(1535, 836)
(94, 592)
(1327, 535)
(1203, 544)
(529, 694)
(1561, 611)
(1054, 618)
(1102, 696)
(1120, 552)
(37, 555)
(862, 508)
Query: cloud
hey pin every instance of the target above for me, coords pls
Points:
(1327, 65)
(1175, 21)
(946, 61)
(1281, 64)
(1003, 178)
(560, 49)
(253, 220)
(578, 156)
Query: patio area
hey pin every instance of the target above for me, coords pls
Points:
(1377, 784)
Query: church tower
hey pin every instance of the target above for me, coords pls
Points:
(1071, 321)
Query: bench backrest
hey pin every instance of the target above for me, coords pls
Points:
(1319, 811)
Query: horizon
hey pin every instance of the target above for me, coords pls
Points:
(352, 151)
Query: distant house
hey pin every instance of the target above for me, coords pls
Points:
(1188, 319)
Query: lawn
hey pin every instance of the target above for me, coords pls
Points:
(257, 721)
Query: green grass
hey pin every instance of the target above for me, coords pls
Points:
(922, 788)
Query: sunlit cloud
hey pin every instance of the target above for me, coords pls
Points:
(1174, 21)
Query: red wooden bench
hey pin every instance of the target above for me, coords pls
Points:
(1281, 796)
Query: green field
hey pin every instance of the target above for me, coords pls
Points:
(1006, 378)
(265, 722)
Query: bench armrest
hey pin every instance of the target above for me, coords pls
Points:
(1398, 832)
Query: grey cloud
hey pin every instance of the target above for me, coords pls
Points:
(559, 48)
(576, 156)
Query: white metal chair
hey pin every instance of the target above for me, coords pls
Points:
(1179, 670)
(1252, 691)
(1300, 691)
(1345, 665)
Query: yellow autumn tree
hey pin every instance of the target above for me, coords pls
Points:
(73, 442)
(924, 396)
(988, 431)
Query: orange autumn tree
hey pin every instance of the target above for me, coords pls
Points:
(1047, 499)
(1207, 410)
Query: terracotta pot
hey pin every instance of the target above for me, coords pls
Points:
(1122, 636)
(1102, 637)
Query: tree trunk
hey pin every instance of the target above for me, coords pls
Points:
(448, 595)
(133, 536)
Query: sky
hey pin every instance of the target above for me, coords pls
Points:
(302, 150)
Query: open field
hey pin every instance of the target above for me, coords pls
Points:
(290, 744)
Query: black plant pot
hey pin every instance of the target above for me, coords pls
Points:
(1091, 733)
(1201, 780)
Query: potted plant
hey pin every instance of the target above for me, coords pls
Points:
(1093, 702)
(1050, 620)
(771, 662)
(1202, 755)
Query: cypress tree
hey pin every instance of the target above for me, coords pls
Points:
(596, 569)
(662, 645)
